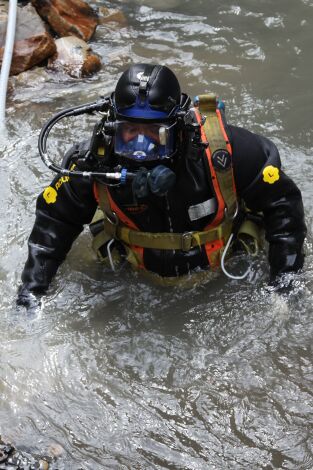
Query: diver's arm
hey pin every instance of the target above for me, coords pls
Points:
(285, 229)
(61, 212)
(272, 192)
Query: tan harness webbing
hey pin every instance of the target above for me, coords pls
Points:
(216, 141)
(159, 241)
(166, 241)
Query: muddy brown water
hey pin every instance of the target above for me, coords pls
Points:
(114, 372)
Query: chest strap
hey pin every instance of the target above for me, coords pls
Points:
(166, 241)
(219, 151)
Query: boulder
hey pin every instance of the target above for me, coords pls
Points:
(32, 45)
(68, 17)
(111, 15)
(74, 57)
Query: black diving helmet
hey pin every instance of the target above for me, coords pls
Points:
(142, 125)
(146, 101)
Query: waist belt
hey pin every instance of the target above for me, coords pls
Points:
(166, 241)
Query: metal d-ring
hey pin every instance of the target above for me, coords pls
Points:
(234, 215)
(111, 217)
(110, 254)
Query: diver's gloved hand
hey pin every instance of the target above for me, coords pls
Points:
(27, 298)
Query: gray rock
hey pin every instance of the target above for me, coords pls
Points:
(32, 45)
(74, 57)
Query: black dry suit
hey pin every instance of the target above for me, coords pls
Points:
(68, 203)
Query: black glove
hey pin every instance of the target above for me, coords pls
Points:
(27, 298)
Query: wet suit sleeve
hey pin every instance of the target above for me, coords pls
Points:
(266, 188)
(62, 210)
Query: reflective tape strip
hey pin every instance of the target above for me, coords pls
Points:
(203, 209)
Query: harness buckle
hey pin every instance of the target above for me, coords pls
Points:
(112, 218)
(186, 240)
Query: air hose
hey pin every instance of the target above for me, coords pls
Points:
(44, 133)
(101, 105)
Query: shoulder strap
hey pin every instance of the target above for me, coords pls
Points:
(219, 150)
(103, 199)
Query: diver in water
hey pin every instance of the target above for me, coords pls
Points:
(167, 184)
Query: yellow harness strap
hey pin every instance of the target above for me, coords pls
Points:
(166, 241)
(251, 237)
(216, 141)
(100, 237)
(114, 228)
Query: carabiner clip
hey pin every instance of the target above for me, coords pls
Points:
(110, 254)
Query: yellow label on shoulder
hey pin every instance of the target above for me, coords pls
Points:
(270, 174)
(50, 195)
(63, 179)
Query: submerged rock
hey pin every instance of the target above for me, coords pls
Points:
(68, 17)
(111, 15)
(11, 458)
(32, 45)
(74, 57)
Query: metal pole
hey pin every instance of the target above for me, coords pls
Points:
(7, 57)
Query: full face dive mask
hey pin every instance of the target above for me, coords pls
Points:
(144, 142)
(147, 142)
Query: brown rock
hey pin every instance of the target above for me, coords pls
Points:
(91, 65)
(68, 17)
(74, 57)
(112, 15)
(30, 52)
(33, 44)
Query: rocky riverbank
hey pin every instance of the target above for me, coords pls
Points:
(55, 34)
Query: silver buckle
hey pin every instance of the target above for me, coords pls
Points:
(186, 240)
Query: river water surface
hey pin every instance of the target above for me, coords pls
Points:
(114, 372)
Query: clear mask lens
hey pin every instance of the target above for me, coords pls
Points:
(144, 141)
